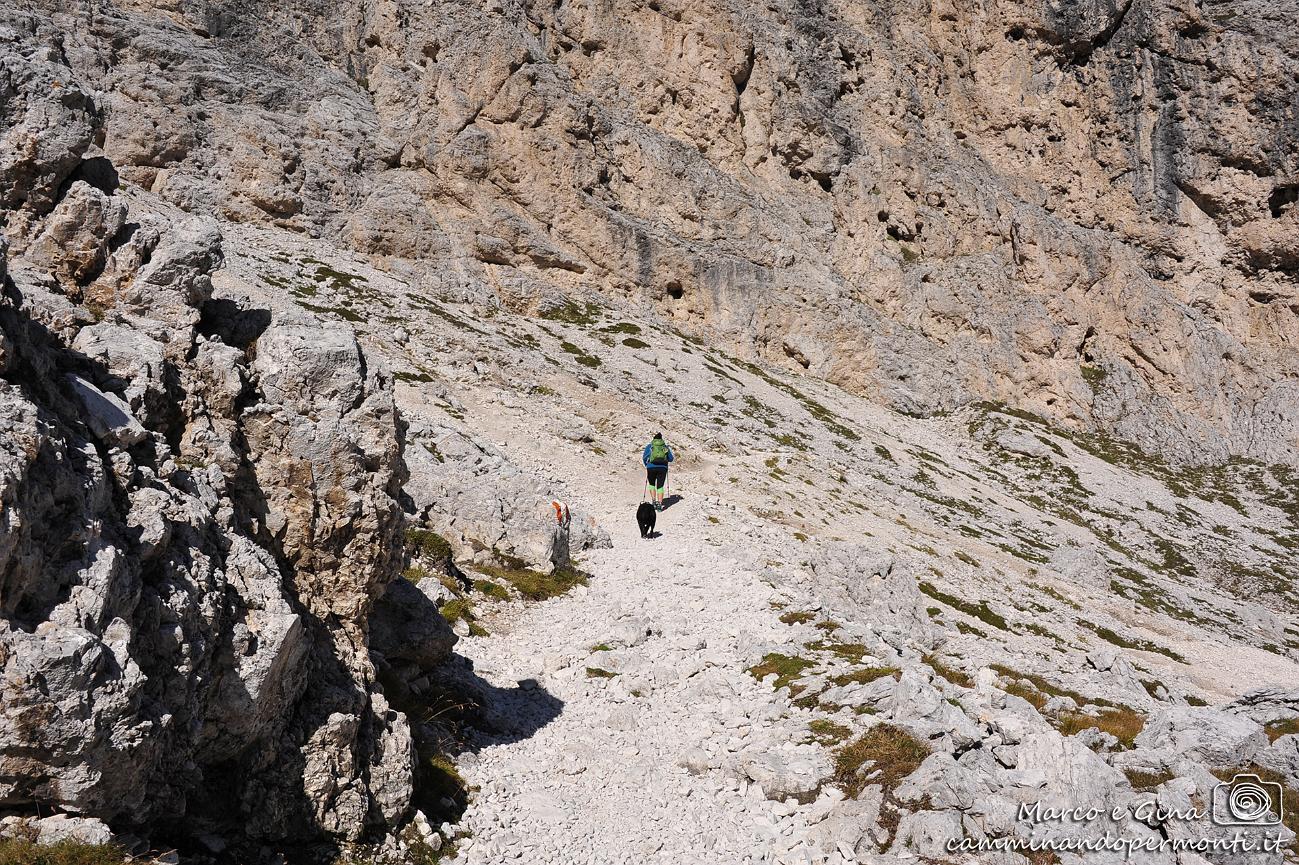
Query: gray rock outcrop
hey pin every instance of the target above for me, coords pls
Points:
(200, 529)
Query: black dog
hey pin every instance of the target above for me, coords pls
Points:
(645, 517)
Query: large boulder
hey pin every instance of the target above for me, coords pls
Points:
(1209, 735)
(47, 121)
(484, 505)
(1066, 771)
(919, 705)
(76, 236)
(880, 589)
(1282, 757)
(1266, 705)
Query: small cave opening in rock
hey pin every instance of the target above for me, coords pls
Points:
(1281, 198)
(99, 172)
(1084, 350)
(674, 290)
(232, 324)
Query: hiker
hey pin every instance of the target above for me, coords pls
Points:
(656, 457)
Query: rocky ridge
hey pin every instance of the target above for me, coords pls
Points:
(201, 514)
(931, 205)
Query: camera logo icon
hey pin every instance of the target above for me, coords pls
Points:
(1247, 800)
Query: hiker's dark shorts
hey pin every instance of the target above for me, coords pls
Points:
(657, 476)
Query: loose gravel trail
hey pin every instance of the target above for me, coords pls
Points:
(674, 620)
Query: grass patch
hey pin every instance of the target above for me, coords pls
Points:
(420, 377)
(1287, 809)
(492, 590)
(1146, 780)
(1043, 689)
(586, 360)
(827, 418)
(438, 778)
(598, 673)
(828, 732)
(1276, 729)
(790, 441)
(1120, 722)
(951, 674)
(799, 617)
(1128, 642)
(460, 609)
(622, 327)
(885, 754)
(633, 342)
(865, 675)
(1094, 376)
(24, 851)
(601, 647)
(978, 611)
(786, 667)
(967, 558)
(428, 544)
(342, 281)
(534, 585)
(340, 311)
(570, 312)
(852, 652)
(1052, 593)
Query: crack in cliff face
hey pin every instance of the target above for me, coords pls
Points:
(1083, 55)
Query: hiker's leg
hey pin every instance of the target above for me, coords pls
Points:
(656, 474)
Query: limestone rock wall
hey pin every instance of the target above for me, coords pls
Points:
(1086, 212)
(198, 515)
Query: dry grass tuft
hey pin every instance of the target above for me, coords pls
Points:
(886, 754)
(1121, 722)
(21, 851)
(1146, 780)
(951, 674)
(1276, 729)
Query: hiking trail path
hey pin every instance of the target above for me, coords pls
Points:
(606, 780)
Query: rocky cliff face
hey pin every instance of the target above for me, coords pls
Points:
(1087, 212)
(200, 512)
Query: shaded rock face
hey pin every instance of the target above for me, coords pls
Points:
(1087, 210)
(199, 515)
